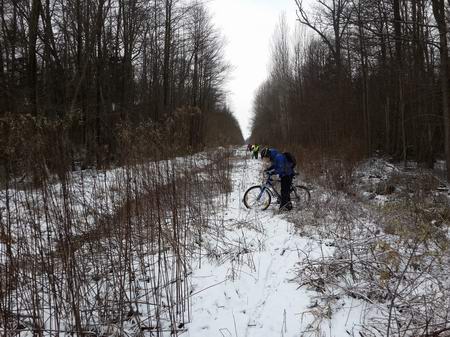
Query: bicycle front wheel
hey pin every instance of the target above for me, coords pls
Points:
(257, 198)
(300, 196)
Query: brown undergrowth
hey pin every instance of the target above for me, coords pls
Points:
(106, 252)
(385, 249)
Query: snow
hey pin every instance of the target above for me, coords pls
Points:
(243, 271)
(252, 294)
(440, 165)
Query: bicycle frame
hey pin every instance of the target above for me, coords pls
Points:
(267, 185)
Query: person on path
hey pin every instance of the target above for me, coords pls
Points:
(255, 150)
(281, 166)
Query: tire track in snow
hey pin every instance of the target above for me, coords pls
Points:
(258, 301)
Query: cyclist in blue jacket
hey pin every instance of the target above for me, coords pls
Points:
(282, 167)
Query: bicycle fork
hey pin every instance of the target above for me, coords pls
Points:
(263, 189)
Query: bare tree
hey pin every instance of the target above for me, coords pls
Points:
(439, 10)
(101, 64)
(366, 80)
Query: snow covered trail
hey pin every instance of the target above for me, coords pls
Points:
(248, 292)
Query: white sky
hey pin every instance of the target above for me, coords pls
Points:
(248, 26)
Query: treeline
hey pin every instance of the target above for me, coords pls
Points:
(92, 68)
(372, 77)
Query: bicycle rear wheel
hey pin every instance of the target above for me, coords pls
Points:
(257, 198)
(300, 196)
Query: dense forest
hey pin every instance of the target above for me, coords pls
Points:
(78, 73)
(364, 77)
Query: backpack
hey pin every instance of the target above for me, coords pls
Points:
(290, 159)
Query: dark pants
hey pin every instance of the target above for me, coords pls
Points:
(286, 183)
(255, 154)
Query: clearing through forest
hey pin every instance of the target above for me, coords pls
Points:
(245, 284)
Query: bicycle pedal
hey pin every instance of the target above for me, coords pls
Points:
(287, 207)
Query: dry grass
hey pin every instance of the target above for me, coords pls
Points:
(393, 256)
(105, 253)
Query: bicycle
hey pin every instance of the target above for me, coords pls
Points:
(260, 196)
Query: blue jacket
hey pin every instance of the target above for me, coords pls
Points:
(279, 164)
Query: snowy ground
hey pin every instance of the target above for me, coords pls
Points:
(249, 291)
(265, 273)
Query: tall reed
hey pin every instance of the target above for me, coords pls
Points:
(103, 252)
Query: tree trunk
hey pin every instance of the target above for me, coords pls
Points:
(439, 15)
(167, 52)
